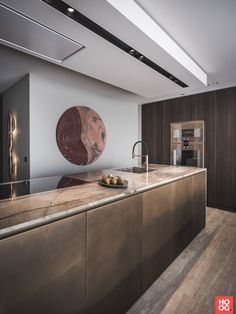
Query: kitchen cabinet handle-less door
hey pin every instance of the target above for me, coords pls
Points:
(114, 244)
(43, 270)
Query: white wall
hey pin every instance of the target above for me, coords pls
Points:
(52, 91)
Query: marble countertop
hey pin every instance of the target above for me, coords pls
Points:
(26, 212)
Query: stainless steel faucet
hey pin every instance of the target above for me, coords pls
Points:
(146, 155)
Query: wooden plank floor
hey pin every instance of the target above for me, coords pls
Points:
(206, 268)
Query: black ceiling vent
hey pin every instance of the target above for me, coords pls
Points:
(75, 15)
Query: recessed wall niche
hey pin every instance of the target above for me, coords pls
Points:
(15, 150)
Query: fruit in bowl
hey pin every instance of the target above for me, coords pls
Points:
(112, 179)
(120, 180)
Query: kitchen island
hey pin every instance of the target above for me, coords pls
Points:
(93, 249)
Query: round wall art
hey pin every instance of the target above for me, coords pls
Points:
(81, 135)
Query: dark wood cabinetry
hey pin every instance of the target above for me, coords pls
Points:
(152, 116)
(218, 110)
(225, 150)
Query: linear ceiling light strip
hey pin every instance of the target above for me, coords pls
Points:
(86, 22)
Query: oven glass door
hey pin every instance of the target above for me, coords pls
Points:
(192, 156)
(189, 158)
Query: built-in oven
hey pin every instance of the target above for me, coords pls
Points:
(192, 156)
(193, 131)
(187, 144)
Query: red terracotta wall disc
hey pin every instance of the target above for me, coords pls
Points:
(81, 135)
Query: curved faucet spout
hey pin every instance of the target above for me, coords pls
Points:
(146, 153)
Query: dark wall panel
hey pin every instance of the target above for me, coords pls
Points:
(226, 148)
(218, 110)
(152, 118)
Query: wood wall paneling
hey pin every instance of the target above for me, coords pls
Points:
(210, 146)
(226, 148)
(218, 110)
(152, 132)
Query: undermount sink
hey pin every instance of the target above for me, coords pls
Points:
(135, 169)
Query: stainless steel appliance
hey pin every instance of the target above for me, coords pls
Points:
(187, 143)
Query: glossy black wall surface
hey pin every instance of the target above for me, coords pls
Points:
(218, 110)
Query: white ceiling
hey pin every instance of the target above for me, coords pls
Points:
(204, 29)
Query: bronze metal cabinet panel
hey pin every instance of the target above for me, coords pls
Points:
(168, 222)
(199, 203)
(183, 214)
(43, 270)
(114, 252)
(158, 208)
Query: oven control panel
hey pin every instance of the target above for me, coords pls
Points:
(185, 142)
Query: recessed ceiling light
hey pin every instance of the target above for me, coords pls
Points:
(62, 7)
(71, 10)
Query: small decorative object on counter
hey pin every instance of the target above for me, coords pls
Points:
(113, 181)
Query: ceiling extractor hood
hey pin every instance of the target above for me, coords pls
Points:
(20, 32)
